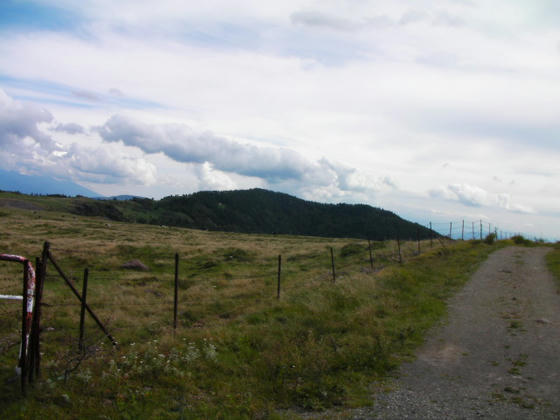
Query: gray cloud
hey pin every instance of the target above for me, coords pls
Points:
(322, 20)
(106, 164)
(466, 194)
(70, 128)
(88, 96)
(116, 92)
(446, 19)
(319, 19)
(280, 167)
(19, 126)
(182, 144)
(413, 16)
(23, 144)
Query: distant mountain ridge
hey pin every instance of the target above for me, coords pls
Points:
(44, 185)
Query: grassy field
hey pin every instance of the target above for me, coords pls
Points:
(238, 352)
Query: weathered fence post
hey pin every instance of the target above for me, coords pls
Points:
(399, 246)
(463, 231)
(370, 254)
(481, 230)
(332, 264)
(431, 236)
(279, 274)
(175, 297)
(83, 310)
(450, 229)
(40, 283)
(418, 238)
(473, 230)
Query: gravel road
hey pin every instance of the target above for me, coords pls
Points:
(497, 355)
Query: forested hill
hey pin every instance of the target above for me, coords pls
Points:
(246, 211)
(262, 211)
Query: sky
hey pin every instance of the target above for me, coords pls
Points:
(440, 111)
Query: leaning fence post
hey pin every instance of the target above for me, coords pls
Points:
(176, 292)
(332, 264)
(73, 289)
(279, 274)
(83, 310)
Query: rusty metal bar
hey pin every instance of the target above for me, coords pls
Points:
(23, 355)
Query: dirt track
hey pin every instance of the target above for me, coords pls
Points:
(496, 356)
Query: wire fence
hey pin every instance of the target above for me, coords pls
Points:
(271, 279)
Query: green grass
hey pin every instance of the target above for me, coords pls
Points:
(238, 352)
(553, 262)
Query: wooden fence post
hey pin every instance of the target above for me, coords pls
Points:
(450, 229)
(279, 274)
(431, 236)
(463, 231)
(175, 297)
(332, 264)
(399, 246)
(370, 254)
(418, 238)
(83, 310)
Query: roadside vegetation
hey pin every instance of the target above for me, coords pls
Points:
(238, 351)
(553, 261)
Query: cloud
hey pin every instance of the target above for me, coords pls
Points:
(180, 143)
(25, 146)
(469, 195)
(88, 96)
(446, 19)
(107, 164)
(504, 201)
(70, 128)
(19, 127)
(220, 158)
(413, 16)
(320, 19)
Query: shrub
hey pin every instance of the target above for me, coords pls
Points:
(490, 238)
(520, 240)
(351, 249)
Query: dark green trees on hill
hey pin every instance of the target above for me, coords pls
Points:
(262, 211)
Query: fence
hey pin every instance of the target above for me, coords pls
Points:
(469, 229)
(167, 298)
